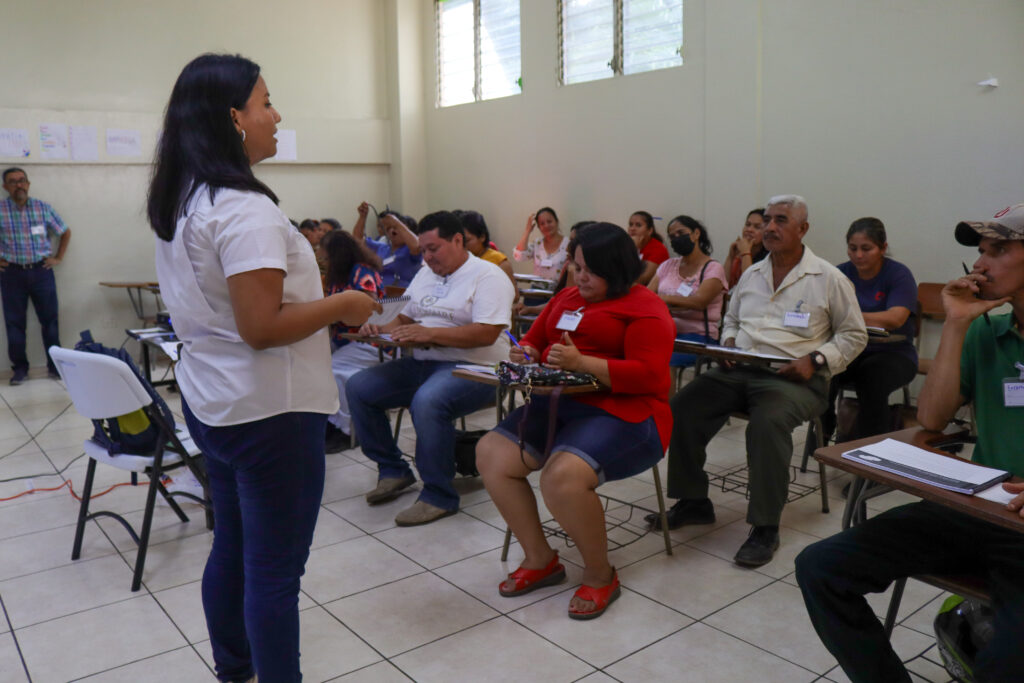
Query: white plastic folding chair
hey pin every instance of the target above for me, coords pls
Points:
(103, 387)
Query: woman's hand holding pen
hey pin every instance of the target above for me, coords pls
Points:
(518, 354)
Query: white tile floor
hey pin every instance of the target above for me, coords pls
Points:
(381, 603)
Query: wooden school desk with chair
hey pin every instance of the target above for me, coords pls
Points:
(856, 509)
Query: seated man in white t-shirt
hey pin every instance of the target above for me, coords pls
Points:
(459, 305)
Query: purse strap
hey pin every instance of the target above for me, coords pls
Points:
(553, 397)
(700, 280)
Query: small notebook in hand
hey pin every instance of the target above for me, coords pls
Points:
(392, 307)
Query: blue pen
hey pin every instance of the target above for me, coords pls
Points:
(526, 355)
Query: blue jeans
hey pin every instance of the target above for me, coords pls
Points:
(686, 360)
(266, 481)
(434, 399)
(17, 287)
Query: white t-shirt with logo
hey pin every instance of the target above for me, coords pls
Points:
(478, 292)
(224, 380)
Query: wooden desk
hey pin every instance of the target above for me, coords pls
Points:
(980, 508)
(534, 280)
(147, 362)
(135, 290)
(535, 293)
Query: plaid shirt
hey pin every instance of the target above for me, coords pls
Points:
(19, 243)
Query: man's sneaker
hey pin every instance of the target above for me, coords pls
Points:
(421, 512)
(18, 377)
(389, 488)
(684, 512)
(759, 548)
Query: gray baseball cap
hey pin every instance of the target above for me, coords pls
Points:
(1008, 224)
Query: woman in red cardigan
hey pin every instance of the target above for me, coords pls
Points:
(622, 334)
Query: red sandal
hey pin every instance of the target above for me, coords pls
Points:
(526, 580)
(601, 597)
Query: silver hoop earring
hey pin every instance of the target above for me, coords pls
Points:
(243, 135)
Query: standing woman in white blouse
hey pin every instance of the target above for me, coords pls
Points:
(243, 289)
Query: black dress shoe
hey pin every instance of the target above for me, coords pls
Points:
(759, 548)
(335, 440)
(684, 512)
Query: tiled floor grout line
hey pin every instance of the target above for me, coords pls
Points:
(14, 637)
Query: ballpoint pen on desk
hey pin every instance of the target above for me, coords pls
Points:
(967, 271)
(518, 346)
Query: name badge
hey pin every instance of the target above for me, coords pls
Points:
(440, 290)
(38, 230)
(569, 321)
(796, 319)
(684, 290)
(388, 261)
(546, 262)
(1013, 393)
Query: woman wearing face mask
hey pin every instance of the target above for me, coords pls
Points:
(747, 249)
(692, 282)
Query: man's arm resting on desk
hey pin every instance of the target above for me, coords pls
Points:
(461, 337)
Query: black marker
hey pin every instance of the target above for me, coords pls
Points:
(968, 272)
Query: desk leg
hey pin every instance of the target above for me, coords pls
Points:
(852, 514)
(145, 363)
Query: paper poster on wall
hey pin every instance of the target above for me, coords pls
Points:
(53, 141)
(287, 146)
(14, 142)
(85, 144)
(124, 142)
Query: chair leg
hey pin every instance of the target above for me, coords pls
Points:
(83, 510)
(894, 605)
(171, 502)
(819, 441)
(661, 510)
(508, 542)
(147, 520)
(398, 423)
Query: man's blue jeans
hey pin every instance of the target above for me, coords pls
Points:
(266, 481)
(17, 287)
(434, 399)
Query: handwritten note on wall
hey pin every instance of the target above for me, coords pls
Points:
(14, 142)
(124, 142)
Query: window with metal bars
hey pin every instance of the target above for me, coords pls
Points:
(605, 38)
(478, 50)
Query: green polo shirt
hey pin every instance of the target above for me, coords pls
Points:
(988, 358)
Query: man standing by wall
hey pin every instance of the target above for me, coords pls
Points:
(26, 268)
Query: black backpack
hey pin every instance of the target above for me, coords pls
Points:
(132, 433)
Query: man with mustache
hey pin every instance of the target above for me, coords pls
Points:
(979, 360)
(791, 304)
(26, 268)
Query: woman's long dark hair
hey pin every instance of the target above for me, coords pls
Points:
(343, 252)
(199, 143)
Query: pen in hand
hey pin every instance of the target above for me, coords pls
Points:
(518, 346)
(967, 271)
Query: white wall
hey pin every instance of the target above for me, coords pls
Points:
(108, 62)
(865, 108)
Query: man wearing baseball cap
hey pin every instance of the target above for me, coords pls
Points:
(980, 360)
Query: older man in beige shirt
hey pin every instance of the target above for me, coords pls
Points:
(792, 304)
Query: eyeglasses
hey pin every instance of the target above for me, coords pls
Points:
(17, 181)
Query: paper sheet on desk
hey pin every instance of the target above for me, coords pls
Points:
(482, 369)
(996, 493)
(170, 348)
(918, 464)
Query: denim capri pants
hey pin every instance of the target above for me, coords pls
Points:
(616, 449)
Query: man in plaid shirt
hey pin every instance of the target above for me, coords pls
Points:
(26, 268)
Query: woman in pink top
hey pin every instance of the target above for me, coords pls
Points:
(693, 285)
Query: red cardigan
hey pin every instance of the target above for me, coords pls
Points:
(635, 334)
